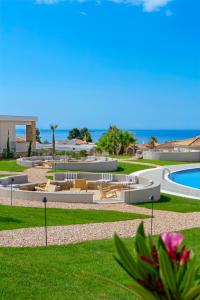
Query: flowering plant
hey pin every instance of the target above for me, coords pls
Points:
(166, 271)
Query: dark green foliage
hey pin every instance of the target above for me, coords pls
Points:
(38, 137)
(82, 134)
(116, 141)
(30, 149)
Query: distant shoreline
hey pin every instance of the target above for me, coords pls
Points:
(142, 135)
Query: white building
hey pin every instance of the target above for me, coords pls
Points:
(8, 126)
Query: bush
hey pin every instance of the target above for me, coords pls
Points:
(165, 271)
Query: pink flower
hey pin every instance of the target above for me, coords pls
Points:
(172, 241)
(185, 257)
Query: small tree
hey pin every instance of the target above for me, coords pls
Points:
(53, 129)
(74, 134)
(116, 141)
(152, 141)
(8, 153)
(38, 137)
(85, 135)
(30, 149)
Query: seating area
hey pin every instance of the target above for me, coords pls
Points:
(87, 164)
(82, 188)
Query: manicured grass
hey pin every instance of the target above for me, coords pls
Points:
(163, 163)
(174, 203)
(123, 168)
(10, 165)
(5, 175)
(22, 217)
(123, 156)
(67, 272)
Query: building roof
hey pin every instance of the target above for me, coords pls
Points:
(192, 142)
(18, 118)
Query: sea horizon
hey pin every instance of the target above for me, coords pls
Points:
(142, 135)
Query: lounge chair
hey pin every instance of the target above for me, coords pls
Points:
(107, 192)
(51, 188)
(81, 184)
(47, 164)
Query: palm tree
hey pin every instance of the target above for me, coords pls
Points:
(53, 129)
(126, 139)
(152, 141)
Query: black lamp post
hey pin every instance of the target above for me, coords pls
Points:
(151, 198)
(11, 191)
(45, 220)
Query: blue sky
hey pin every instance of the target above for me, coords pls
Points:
(134, 63)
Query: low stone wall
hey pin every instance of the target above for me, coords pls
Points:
(141, 195)
(136, 195)
(190, 156)
(98, 164)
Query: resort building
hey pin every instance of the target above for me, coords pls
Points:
(8, 126)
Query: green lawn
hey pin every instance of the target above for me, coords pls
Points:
(10, 165)
(123, 168)
(5, 175)
(162, 163)
(123, 156)
(61, 272)
(175, 203)
(22, 217)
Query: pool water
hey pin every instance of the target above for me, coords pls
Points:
(190, 178)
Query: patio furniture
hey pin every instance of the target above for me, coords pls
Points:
(47, 164)
(107, 192)
(81, 184)
(75, 190)
(106, 177)
(70, 176)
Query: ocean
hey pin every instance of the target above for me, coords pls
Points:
(142, 135)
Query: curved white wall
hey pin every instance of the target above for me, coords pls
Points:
(98, 164)
(192, 156)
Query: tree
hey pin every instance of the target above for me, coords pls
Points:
(8, 153)
(30, 149)
(126, 139)
(152, 141)
(53, 129)
(85, 135)
(115, 141)
(38, 138)
(74, 134)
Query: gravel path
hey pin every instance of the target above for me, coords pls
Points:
(37, 175)
(58, 235)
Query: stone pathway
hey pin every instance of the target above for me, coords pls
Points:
(37, 175)
(59, 235)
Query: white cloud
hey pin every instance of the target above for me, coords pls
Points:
(148, 5)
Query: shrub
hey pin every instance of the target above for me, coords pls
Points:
(164, 271)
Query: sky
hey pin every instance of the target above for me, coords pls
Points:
(133, 63)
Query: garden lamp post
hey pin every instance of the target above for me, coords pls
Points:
(11, 191)
(45, 219)
(151, 198)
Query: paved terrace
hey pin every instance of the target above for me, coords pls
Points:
(170, 187)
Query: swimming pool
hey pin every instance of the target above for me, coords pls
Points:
(190, 178)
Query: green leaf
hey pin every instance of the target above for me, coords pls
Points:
(126, 260)
(193, 294)
(166, 272)
(141, 246)
(140, 230)
(189, 277)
